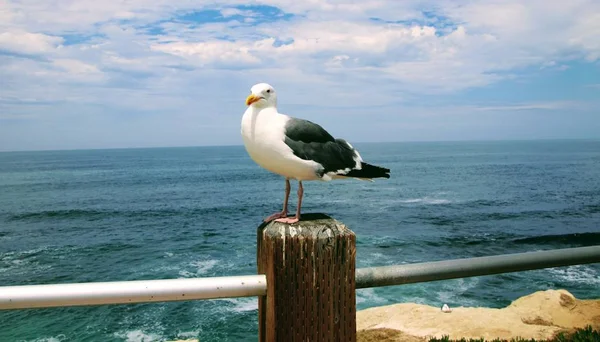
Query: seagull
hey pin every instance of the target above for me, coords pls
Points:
(297, 149)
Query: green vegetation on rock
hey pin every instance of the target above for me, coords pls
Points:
(587, 334)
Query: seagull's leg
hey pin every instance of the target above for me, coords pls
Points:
(287, 196)
(283, 213)
(300, 194)
(297, 218)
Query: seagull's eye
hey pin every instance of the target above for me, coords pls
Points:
(268, 90)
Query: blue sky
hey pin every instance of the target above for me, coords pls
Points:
(91, 74)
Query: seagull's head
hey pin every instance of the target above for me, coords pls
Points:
(262, 95)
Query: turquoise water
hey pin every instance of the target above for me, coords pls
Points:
(108, 215)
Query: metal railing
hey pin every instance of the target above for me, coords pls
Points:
(144, 291)
(480, 266)
(128, 292)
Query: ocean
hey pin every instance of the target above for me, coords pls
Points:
(128, 214)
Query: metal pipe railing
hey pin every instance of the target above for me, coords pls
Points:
(144, 291)
(471, 267)
(127, 292)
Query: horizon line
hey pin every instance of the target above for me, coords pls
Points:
(241, 145)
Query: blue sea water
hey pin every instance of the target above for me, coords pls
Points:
(128, 214)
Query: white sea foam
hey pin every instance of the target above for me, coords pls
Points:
(188, 334)
(369, 296)
(15, 263)
(377, 257)
(138, 336)
(418, 201)
(389, 257)
(425, 200)
(200, 267)
(577, 274)
(22, 253)
(242, 304)
(453, 290)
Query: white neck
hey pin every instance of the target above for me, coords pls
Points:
(270, 110)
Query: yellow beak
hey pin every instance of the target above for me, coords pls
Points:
(251, 99)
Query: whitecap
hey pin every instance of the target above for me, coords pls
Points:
(19, 254)
(242, 304)
(425, 200)
(201, 267)
(188, 334)
(577, 274)
(21, 266)
(138, 336)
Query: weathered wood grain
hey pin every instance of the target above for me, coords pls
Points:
(309, 268)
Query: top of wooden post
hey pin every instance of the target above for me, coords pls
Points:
(311, 289)
(313, 225)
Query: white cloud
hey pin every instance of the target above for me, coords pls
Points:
(19, 41)
(226, 52)
(6, 14)
(74, 66)
(231, 11)
(553, 105)
(324, 57)
(585, 35)
(491, 40)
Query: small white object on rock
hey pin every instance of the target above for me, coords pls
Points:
(446, 308)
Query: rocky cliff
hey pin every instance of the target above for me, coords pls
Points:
(540, 315)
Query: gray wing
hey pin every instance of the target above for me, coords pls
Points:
(310, 141)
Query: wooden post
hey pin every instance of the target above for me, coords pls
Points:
(309, 268)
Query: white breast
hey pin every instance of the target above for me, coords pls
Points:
(263, 135)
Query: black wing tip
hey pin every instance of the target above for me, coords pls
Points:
(370, 171)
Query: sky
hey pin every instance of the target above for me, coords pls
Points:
(78, 74)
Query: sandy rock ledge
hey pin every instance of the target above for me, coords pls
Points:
(540, 315)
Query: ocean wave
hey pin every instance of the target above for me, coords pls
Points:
(472, 239)
(370, 297)
(200, 267)
(580, 274)
(441, 198)
(381, 241)
(593, 208)
(106, 248)
(449, 220)
(58, 338)
(23, 262)
(241, 304)
(19, 262)
(579, 239)
(376, 259)
(95, 215)
(188, 334)
(454, 291)
(138, 336)
(60, 214)
(24, 254)
(425, 200)
(573, 239)
(484, 203)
